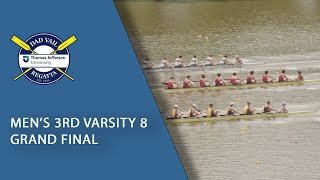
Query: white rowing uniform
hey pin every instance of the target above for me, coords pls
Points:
(163, 63)
(146, 64)
(239, 61)
(209, 60)
(194, 61)
(178, 62)
(283, 109)
(223, 60)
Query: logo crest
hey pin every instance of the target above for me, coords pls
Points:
(44, 58)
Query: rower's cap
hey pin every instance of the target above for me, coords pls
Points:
(232, 103)
(194, 105)
(248, 102)
(237, 56)
(176, 106)
(284, 103)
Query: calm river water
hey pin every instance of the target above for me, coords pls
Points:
(267, 34)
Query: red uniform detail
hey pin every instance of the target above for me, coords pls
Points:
(186, 83)
(281, 78)
(202, 83)
(249, 79)
(170, 85)
(218, 81)
(265, 78)
(233, 80)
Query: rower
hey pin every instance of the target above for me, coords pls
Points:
(235, 80)
(179, 62)
(175, 112)
(193, 112)
(171, 84)
(165, 63)
(250, 78)
(300, 76)
(267, 108)
(210, 61)
(224, 60)
(238, 60)
(219, 81)
(203, 81)
(282, 76)
(283, 109)
(211, 111)
(231, 110)
(194, 61)
(147, 64)
(248, 109)
(187, 83)
(266, 78)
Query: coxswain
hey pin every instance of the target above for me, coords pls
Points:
(194, 61)
(266, 78)
(300, 76)
(248, 109)
(283, 109)
(238, 60)
(175, 112)
(193, 112)
(187, 83)
(267, 108)
(231, 110)
(250, 78)
(235, 80)
(283, 77)
(171, 84)
(179, 62)
(219, 81)
(211, 111)
(203, 81)
(210, 61)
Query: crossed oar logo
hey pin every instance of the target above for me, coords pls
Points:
(44, 58)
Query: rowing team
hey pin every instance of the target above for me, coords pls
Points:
(233, 80)
(213, 112)
(179, 62)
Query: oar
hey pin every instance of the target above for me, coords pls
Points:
(65, 44)
(22, 44)
(26, 47)
(203, 69)
(61, 47)
(22, 74)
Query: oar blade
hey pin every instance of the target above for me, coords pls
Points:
(20, 43)
(66, 43)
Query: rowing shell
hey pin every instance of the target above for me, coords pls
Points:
(234, 118)
(243, 86)
(193, 68)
